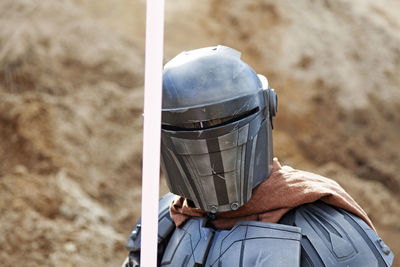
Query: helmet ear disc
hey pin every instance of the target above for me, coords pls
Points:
(272, 102)
(270, 95)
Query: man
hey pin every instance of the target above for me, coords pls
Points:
(237, 205)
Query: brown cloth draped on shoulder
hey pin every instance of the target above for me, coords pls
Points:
(285, 189)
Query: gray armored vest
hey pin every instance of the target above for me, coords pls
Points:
(312, 235)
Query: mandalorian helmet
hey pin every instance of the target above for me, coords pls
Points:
(216, 143)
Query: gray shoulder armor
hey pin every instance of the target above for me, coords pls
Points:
(248, 243)
(165, 227)
(334, 237)
(188, 245)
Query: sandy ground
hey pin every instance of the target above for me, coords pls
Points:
(71, 102)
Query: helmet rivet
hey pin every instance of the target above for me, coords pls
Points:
(213, 209)
(234, 206)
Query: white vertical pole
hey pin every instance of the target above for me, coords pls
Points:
(152, 131)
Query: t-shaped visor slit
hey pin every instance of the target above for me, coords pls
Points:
(202, 125)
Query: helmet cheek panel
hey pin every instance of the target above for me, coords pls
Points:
(201, 164)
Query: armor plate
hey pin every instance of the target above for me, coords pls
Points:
(311, 235)
(334, 237)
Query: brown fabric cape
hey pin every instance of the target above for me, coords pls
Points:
(285, 189)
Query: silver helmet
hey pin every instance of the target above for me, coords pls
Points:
(216, 143)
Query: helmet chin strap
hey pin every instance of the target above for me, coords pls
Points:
(152, 131)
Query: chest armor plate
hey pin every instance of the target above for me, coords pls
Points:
(248, 243)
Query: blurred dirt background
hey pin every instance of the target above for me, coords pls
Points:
(71, 89)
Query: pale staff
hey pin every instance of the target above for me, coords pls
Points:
(151, 131)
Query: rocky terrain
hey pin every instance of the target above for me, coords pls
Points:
(71, 89)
